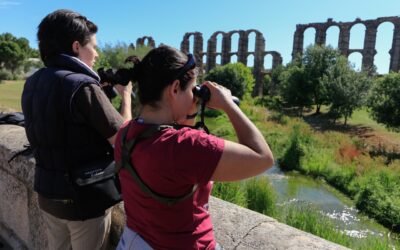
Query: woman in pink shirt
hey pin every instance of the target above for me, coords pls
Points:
(178, 163)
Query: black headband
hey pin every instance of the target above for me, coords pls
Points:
(190, 64)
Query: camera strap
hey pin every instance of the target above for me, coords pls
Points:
(127, 147)
(201, 124)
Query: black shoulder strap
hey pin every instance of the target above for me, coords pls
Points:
(26, 151)
(126, 151)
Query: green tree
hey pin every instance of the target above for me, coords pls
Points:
(275, 80)
(114, 56)
(14, 52)
(346, 89)
(384, 101)
(317, 62)
(235, 76)
(23, 43)
(301, 82)
(294, 87)
(11, 56)
(34, 53)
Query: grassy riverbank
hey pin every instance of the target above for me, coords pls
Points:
(367, 175)
(257, 194)
(344, 161)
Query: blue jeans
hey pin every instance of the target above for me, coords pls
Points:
(130, 240)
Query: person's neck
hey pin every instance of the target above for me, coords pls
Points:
(151, 115)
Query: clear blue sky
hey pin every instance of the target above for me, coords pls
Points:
(167, 20)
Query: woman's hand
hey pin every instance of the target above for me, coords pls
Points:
(124, 91)
(221, 97)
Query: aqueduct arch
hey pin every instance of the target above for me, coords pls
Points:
(142, 41)
(226, 52)
(197, 47)
(368, 51)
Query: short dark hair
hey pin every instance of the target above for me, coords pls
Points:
(158, 69)
(59, 29)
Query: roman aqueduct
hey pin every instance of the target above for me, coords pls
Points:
(259, 54)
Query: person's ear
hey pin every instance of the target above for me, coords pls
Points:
(172, 90)
(75, 47)
(175, 86)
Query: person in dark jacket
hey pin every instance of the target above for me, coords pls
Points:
(70, 123)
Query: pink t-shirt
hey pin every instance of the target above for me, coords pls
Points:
(170, 163)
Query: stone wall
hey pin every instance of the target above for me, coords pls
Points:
(22, 227)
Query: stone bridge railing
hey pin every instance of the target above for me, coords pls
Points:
(22, 227)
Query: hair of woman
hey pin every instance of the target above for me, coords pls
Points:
(158, 69)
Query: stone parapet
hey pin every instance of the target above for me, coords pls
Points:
(22, 227)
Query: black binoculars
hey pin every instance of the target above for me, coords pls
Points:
(121, 76)
(203, 92)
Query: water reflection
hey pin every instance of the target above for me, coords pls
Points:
(295, 188)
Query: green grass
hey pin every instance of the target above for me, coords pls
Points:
(261, 196)
(361, 117)
(10, 95)
(307, 218)
(255, 193)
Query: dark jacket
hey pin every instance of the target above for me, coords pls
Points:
(60, 143)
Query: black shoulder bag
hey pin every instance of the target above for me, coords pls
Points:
(95, 185)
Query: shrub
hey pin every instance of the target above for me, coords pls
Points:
(380, 198)
(235, 76)
(291, 158)
(271, 102)
(279, 117)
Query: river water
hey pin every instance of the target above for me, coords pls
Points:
(295, 188)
